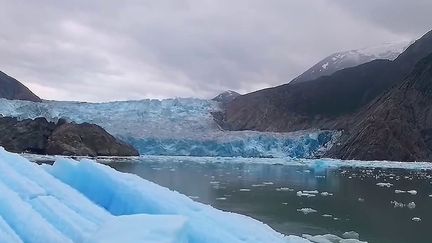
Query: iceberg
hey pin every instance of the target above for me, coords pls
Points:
(84, 201)
(176, 127)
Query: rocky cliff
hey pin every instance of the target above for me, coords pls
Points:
(397, 125)
(42, 137)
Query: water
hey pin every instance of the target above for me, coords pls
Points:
(269, 193)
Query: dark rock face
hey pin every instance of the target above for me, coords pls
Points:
(26, 135)
(86, 139)
(12, 89)
(329, 102)
(42, 137)
(397, 125)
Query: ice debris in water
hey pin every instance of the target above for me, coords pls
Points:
(416, 219)
(399, 191)
(351, 235)
(303, 194)
(88, 202)
(411, 205)
(283, 189)
(412, 192)
(384, 184)
(307, 210)
(397, 204)
(328, 238)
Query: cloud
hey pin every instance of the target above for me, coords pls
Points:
(114, 50)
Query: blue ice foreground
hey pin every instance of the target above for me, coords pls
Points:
(89, 202)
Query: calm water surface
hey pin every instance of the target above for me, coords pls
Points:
(269, 193)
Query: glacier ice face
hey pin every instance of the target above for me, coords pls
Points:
(239, 144)
(175, 127)
(89, 202)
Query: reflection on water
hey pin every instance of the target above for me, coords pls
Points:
(269, 194)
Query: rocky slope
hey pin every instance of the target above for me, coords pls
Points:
(397, 125)
(328, 102)
(352, 58)
(42, 137)
(12, 89)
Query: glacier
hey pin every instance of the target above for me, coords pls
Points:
(182, 126)
(85, 201)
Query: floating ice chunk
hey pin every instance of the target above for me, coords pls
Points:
(384, 184)
(351, 235)
(399, 191)
(351, 241)
(221, 198)
(411, 205)
(327, 216)
(307, 210)
(397, 204)
(142, 228)
(361, 199)
(416, 219)
(317, 238)
(412, 192)
(326, 194)
(245, 190)
(283, 189)
(311, 192)
(328, 238)
(303, 194)
(268, 183)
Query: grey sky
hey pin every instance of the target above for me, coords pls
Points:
(117, 50)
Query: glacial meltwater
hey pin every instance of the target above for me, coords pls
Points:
(382, 205)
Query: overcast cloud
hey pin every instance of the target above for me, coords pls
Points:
(117, 50)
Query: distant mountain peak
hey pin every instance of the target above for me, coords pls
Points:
(226, 96)
(352, 58)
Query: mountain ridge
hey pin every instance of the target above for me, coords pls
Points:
(12, 89)
(352, 58)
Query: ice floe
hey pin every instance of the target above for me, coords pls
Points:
(384, 184)
(307, 210)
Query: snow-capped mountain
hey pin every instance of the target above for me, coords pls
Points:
(351, 58)
(226, 96)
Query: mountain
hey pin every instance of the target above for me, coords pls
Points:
(397, 125)
(226, 96)
(12, 89)
(329, 102)
(352, 58)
